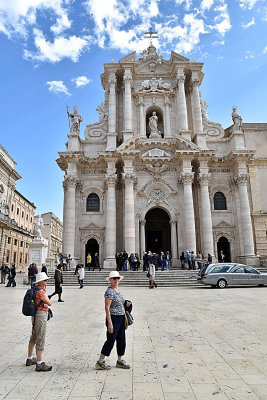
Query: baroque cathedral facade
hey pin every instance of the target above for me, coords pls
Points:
(154, 173)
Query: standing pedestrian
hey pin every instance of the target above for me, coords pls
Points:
(193, 259)
(152, 275)
(89, 261)
(37, 338)
(58, 283)
(125, 260)
(81, 275)
(183, 260)
(44, 269)
(115, 319)
(209, 258)
(32, 272)
(189, 259)
(145, 260)
(12, 275)
(162, 260)
(4, 272)
(221, 257)
(96, 262)
(200, 258)
(168, 260)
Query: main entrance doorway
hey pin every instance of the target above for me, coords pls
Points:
(158, 233)
(91, 247)
(224, 245)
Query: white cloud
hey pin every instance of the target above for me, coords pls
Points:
(206, 4)
(81, 81)
(62, 47)
(188, 3)
(248, 3)
(17, 15)
(224, 24)
(62, 24)
(265, 50)
(57, 87)
(252, 22)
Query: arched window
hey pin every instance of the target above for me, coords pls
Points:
(219, 201)
(93, 203)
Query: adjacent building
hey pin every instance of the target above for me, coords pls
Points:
(154, 173)
(16, 216)
(52, 231)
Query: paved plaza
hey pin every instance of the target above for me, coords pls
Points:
(185, 344)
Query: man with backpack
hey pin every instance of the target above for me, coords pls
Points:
(39, 320)
(32, 271)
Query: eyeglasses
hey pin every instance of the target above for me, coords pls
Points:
(116, 278)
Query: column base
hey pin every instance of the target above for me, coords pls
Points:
(252, 261)
(200, 140)
(127, 135)
(110, 264)
(174, 263)
(185, 134)
(111, 141)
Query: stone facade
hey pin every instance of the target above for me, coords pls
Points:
(16, 216)
(154, 173)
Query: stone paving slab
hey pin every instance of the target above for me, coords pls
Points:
(185, 344)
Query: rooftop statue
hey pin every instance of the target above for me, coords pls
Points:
(76, 119)
(237, 120)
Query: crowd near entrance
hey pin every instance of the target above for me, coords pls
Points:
(91, 247)
(158, 234)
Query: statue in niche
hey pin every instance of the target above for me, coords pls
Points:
(76, 119)
(237, 120)
(153, 126)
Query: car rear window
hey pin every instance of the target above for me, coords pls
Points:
(224, 268)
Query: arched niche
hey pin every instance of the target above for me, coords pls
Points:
(160, 123)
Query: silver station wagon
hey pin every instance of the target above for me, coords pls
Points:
(230, 274)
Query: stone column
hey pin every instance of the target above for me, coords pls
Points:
(174, 239)
(69, 220)
(167, 132)
(248, 241)
(141, 118)
(142, 236)
(182, 110)
(129, 222)
(110, 219)
(189, 214)
(197, 107)
(127, 101)
(206, 221)
(112, 104)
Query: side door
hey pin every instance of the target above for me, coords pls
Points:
(254, 276)
(239, 276)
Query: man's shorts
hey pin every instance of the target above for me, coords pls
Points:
(39, 329)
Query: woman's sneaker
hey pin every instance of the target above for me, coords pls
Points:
(122, 364)
(102, 365)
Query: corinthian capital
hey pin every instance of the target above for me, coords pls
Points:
(70, 181)
(181, 79)
(241, 179)
(195, 82)
(127, 79)
(203, 179)
(129, 179)
(110, 180)
(186, 177)
(112, 80)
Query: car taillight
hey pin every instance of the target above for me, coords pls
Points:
(205, 276)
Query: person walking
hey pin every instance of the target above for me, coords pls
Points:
(37, 338)
(96, 262)
(152, 275)
(81, 275)
(58, 283)
(115, 319)
(12, 275)
(183, 260)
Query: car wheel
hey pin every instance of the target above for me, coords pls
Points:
(221, 284)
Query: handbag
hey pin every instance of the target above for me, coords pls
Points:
(129, 318)
(148, 274)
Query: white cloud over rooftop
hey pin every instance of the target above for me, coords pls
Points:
(57, 87)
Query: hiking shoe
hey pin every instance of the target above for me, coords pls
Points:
(61, 301)
(102, 365)
(122, 364)
(43, 367)
(33, 361)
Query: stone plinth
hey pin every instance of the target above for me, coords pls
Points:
(38, 252)
(252, 261)
(110, 264)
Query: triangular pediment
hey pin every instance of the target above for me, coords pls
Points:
(151, 65)
(92, 227)
(129, 58)
(178, 57)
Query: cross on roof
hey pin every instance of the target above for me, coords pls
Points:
(150, 34)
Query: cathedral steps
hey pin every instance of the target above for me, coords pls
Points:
(132, 278)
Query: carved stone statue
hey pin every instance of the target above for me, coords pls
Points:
(153, 126)
(237, 120)
(38, 224)
(76, 119)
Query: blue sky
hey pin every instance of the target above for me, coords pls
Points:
(53, 52)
